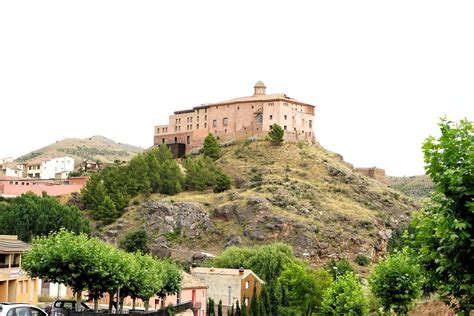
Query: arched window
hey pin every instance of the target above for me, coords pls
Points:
(259, 118)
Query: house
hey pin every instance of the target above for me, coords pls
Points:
(229, 285)
(15, 285)
(11, 169)
(238, 118)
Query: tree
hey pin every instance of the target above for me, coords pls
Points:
(444, 230)
(222, 182)
(135, 241)
(137, 176)
(106, 212)
(254, 302)
(276, 134)
(148, 278)
(211, 148)
(172, 280)
(219, 308)
(345, 297)
(210, 307)
(396, 282)
(64, 257)
(170, 178)
(30, 215)
(304, 287)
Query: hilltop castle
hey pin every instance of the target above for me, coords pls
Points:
(238, 118)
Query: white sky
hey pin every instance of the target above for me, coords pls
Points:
(381, 73)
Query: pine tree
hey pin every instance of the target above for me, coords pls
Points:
(222, 182)
(170, 178)
(238, 311)
(153, 169)
(211, 148)
(106, 211)
(254, 302)
(163, 153)
(276, 134)
(137, 176)
(219, 308)
(243, 310)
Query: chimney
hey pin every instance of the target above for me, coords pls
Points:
(241, 271)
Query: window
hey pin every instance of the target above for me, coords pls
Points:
(271, 117)
(188, 140)
(205, 125)
(238, 108)
(259, 118)
(310, 123)
(270, 104)
(162, 140)
(214, 123)
(197, 119)
(175, 140)
(197, 126)
(284, 127)
(271, 127)
(286, 117)
(205, 117)
(247, 284)
(246, 301)
(225, 121)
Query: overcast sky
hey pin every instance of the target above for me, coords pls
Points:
(381, 73)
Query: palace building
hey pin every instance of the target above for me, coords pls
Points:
(238, 118)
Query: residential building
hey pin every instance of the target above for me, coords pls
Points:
(15, 285)
(237, 118)
(11, 169)
(11, 187)
(229, 285)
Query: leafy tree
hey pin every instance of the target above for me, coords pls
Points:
(163, 153)
(30, 215)
(172, 281)
(444, 229)
(211, 148)
(63, 257)
(200, 173)
(338, 268)
(276, 134)
(396, 282)
(304, 287)
(148, 278)
(135, 241)
(345, 297)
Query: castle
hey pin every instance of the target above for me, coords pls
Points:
(237, 118)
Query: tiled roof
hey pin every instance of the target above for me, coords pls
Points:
(8, 245)
(261, 97)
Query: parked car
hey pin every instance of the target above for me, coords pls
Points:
(17, 309)
(62, 307)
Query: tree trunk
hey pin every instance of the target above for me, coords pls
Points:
(111, 301)
(147, 303)
(121, 304)
(96, 304)
(133, 303)
(78, 299)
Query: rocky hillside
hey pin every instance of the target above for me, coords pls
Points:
(295, 193)
(92, 148)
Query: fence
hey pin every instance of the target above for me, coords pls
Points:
(168, 311)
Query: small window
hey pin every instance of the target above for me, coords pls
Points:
(205, 125)
(175, 140)
(214, 123)
(259, 118)
(271, 117)
(284, 127)
(188, 139)
(270, 127)
(205, 117)
(197, 119)
(247, 284)
(246, 301)
(225, 121)
(310, 123)
(162, 140)
(286, 117)
(238, 108)
(197, 126)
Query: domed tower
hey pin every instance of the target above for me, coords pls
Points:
(259, 88)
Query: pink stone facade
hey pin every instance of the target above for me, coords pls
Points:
(239, 118)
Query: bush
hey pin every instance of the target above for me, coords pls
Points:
(362, 260)
(338, 268)
(135, 241)
(276, 134)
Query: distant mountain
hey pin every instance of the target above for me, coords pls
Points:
(92, 148)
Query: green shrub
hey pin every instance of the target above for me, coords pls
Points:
(345, 297)
(363, 260)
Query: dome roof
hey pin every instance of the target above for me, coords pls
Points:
(260, 84)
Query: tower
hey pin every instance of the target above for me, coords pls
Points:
(259, 88)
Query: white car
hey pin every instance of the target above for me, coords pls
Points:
(17, 309)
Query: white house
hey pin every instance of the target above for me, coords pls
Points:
(11, 169)
(50, 167)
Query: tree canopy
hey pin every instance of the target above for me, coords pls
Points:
(211, 148)
(345, 297)
(444, 230)
(396, 281)
(276, 134)
(30, 215)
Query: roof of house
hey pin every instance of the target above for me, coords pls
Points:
(10, 243)
(191, 282)
(222, 271)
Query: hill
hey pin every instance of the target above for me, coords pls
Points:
(418, 187)
(92, 148)
(299, 194)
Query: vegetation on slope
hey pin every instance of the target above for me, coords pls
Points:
(92, 148)
(418, 187)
